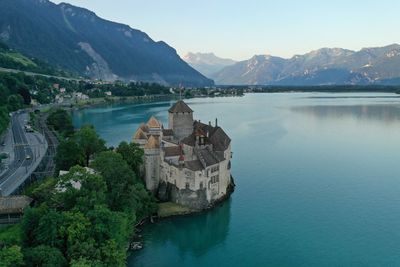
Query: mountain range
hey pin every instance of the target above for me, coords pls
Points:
(77, 40)
(207, 63)
(326, 66)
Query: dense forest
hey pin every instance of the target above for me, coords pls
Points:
(87, 216)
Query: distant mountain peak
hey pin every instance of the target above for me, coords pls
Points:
(207, 63)
(318, 67)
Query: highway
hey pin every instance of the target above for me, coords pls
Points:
(39, 74)
(29, 148)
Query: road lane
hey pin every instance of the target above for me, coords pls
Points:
(21, 166)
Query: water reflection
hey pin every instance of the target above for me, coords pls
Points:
(195, 234)
(383, 113)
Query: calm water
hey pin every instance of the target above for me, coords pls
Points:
(318, 182)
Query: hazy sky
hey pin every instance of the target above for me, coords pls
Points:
(240, 29)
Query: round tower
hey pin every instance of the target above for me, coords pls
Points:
(152, 163)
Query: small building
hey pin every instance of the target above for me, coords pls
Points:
(108, 93)
(80, 96)
(12, 208)
(59, 99)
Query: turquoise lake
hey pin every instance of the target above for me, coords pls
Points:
(317, 181)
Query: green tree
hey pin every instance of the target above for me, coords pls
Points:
(125, 192)
(80, 190)
(42, 191)
(11, 257)
(132, 154)
(15, 102)
(69, 154)
(61, 121)
(10, 235)
(80, 244)
(107, 225)
(89, 141)
(82, 262)
(44, 256)
(119, 178)
(112, 255)
(4, 93)
(48, 229)
(29, 225)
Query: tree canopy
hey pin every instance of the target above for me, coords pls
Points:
(132, 154)
(60, 120)
(87, 216)
(89, 141)
(69, 154)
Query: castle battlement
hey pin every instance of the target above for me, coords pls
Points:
(189, 162)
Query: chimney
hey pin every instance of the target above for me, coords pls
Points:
(216, 122)
(209, 123)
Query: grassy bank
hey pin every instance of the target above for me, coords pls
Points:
(168, 209)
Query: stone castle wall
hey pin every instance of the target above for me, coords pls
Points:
(152, 167)
(181, 124)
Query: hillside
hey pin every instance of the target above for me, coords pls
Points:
(326, 66)
(76, 39)
(11, 59)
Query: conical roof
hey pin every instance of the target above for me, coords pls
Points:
(144, 127)
(180, 107)
(152, 143)
(139, 135)
(153, 123)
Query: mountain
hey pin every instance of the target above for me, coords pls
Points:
(12, 59)
(207, 63)
(76, 39)
(326, 66)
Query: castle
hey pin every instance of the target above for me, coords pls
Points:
(190, 162)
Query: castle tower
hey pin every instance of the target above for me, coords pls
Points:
(154, 126)
(140, 137)
(152, 163)
(180, 119)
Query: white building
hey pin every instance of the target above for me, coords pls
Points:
(189, 163)
(80, 96)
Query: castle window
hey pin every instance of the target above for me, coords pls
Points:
(215, 179)
(215, 169)
(201, 185)
(187, 185)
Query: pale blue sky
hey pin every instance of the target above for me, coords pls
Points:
(243, 28)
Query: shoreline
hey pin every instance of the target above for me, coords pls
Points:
(231, 189)
(118, 100)
(156, 218)
(93, 102)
